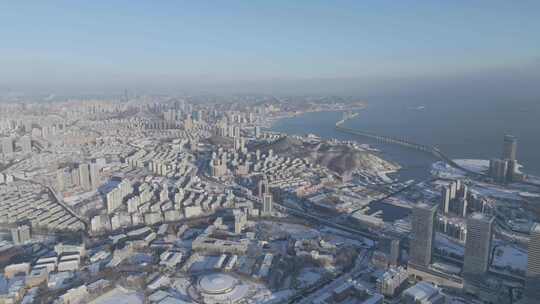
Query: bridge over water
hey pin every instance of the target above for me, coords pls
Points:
(431, 150)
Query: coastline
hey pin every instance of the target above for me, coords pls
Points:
(273, 120)
(412, 165)
(388, 175)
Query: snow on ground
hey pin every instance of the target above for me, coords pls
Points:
(476, 165)
(510, 256)
(450, 246)
(529, 195)
(77, 198)
(273, 297)
(496, 191)
(533, 179)
(295, 230)
(335, 237)
(384, 177)
(308, 277)
(443, 170)
(120, 295)
(180, 287)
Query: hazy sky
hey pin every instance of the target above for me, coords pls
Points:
(93, 44)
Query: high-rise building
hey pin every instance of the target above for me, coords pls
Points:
(75, 177)
(27, 126)
(509, 147)
(26, 144)
(20, 234)
(240, 220)
(268, 204)
(263, 187)
(459, 207)
(390, 246)
(239, 143)
(15, 236)
(64, 178)
(236, 131)
(7, 145)
(453, 190)
(94, 175)
(116, 196)
(478, 245)
(498, 169)
(513, 174)
(445, 203)
(532, 280)
(423, 234)
(84, 176)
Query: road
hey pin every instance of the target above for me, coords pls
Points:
(313, 218)
(411, 185)
(60, 202)
(362, 263)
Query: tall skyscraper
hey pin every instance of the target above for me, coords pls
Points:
(266, 197)
(423, 231)
(84, 176)
(532, 281)
(478, 245)
(263, 187)
(509, 147)
(268, 204)
(445, 203)
(94, 175)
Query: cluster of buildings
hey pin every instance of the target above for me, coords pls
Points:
(131, 204)
(506, 168)
(350, 292)
(153, 199)
(23, 202)
(456, 205)
(83, 175)
(166, 162)
(9, 147)
(475, 276)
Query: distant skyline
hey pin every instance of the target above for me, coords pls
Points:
(260, 45)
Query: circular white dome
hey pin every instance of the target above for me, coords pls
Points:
(217, 283)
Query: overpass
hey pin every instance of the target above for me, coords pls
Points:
(431, 150)
(394, 193)
(317, 219)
